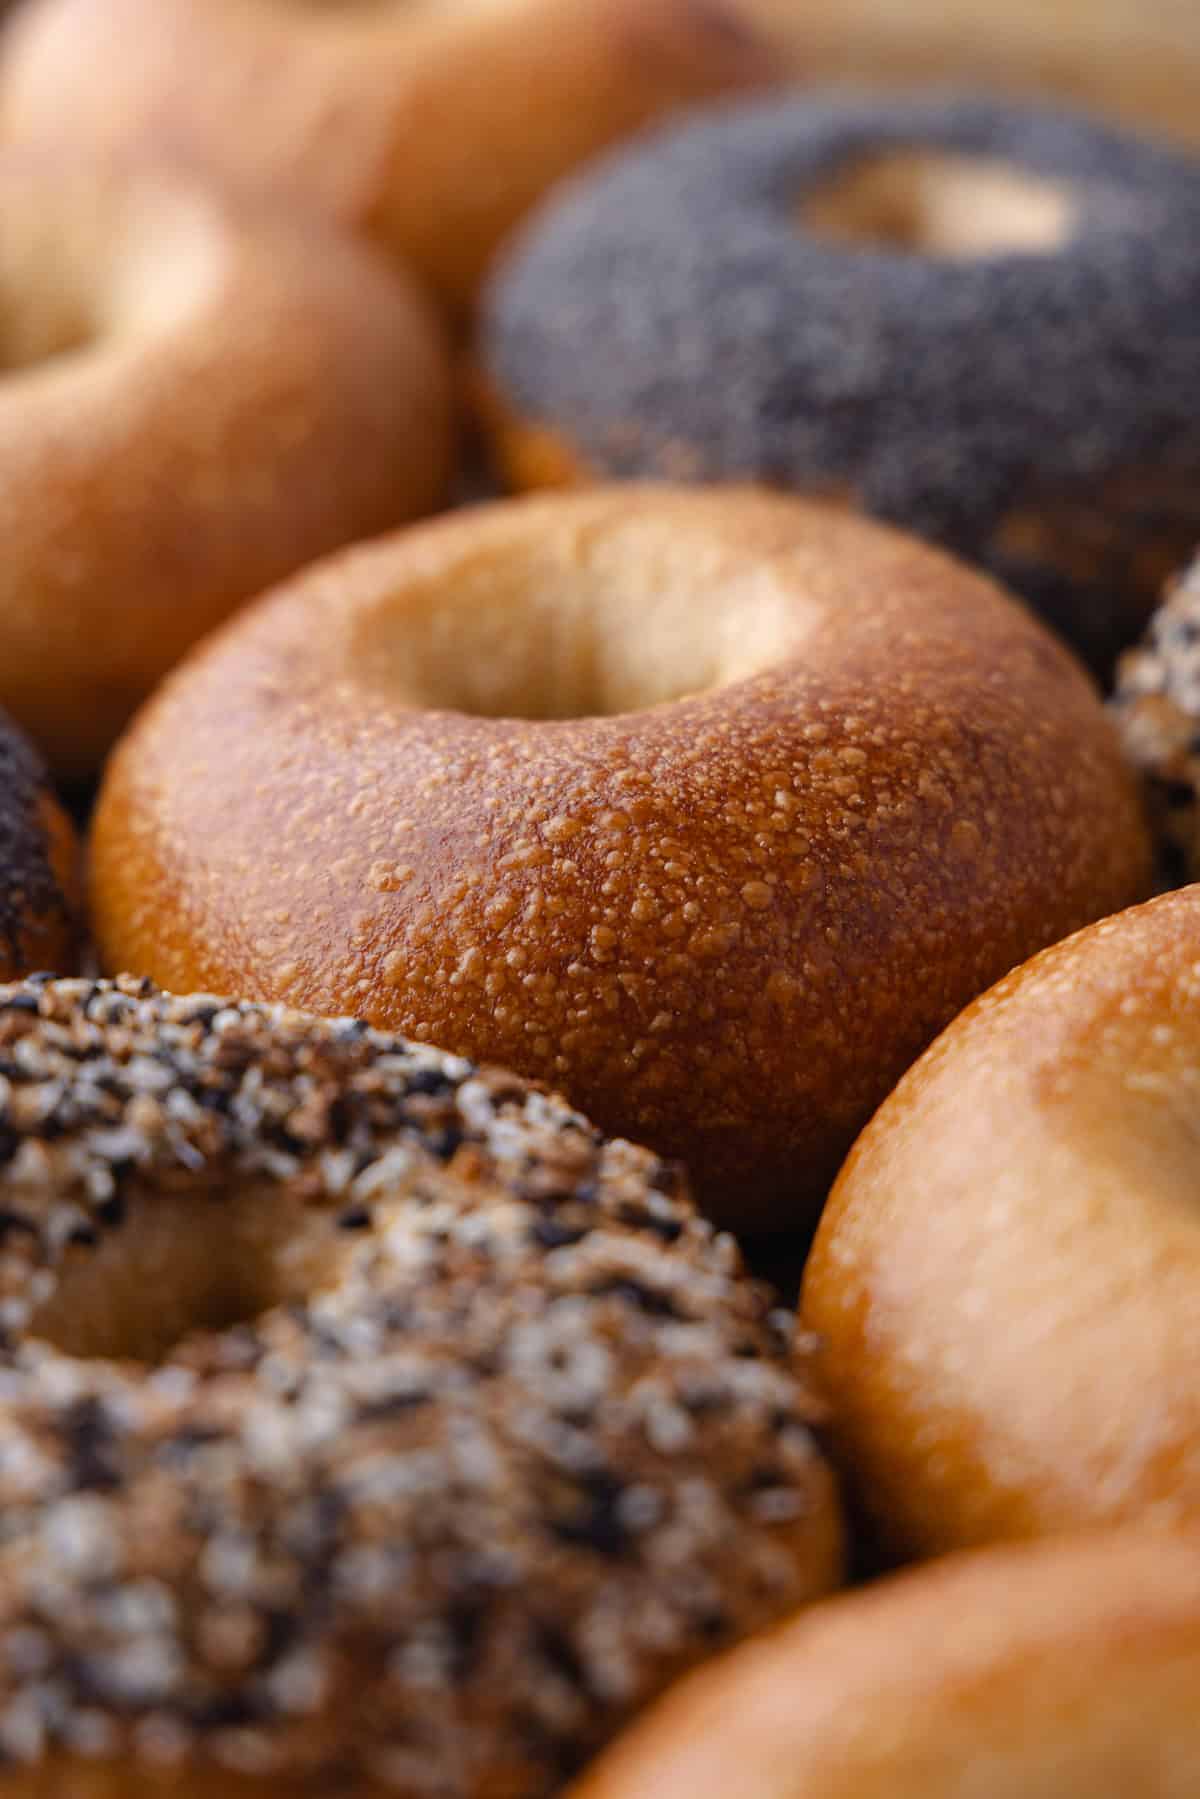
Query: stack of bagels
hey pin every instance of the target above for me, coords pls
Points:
(599, 990)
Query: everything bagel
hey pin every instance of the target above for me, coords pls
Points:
(367, 1422)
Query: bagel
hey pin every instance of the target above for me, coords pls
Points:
(674, 799)
(1006, 1281)
(431, 128)
(1136, 61)
(369, 1422)
(1157, 708)
(40, 897)
(199, 400)
(1031, 1672)
(974, 320)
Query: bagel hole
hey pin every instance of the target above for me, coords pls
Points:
(937, 204)
(539, 635)
(179, 1265)
(89, 259)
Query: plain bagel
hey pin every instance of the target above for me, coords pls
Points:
(1006, 1280)
(430, 127)
(1137, 61)
(197, 399)
(674, 799)
(1037, 1672)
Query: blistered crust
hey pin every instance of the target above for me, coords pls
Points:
(782, 885)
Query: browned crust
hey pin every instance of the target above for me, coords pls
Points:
(1098, 562)
(1133, 60)
(433, 131)
(784, 887)
(1005, 1277)
(528, 457)
(350, 111)
(128, 1778)
(1058, 1668)
(290, 394)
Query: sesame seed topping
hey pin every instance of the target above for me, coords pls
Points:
(29, 888)
(1157, 710)
(418, 1484)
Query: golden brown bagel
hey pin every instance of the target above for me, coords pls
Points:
(1007, 1277)
(709, 807)
(197, 399)
(368, 1422)
(1134, 60)
(431, 127)
(1049, 1671)
(40, 899)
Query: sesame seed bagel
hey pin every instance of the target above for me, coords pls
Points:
(39, 866)
(369, 1423)
(969, 318)
(1007, 1277)
(1157, 708)
(1035, 1672)
(431, 127)
(197, 400)
(708, 808)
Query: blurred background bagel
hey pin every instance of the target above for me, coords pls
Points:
(1134, 60)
